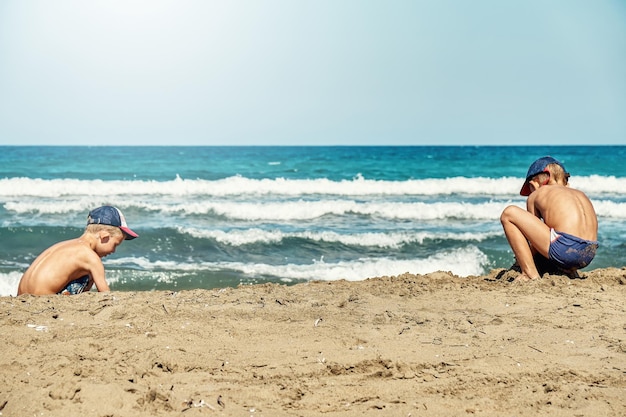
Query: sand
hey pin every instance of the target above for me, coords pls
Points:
(409, 345)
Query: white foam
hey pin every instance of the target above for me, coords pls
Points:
(293, 210)
(282, 199)
(609, 209)
(391, 240)
(9, 282)
(463, 262)
(237, 185)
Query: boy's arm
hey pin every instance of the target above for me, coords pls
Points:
(531, 204)
(97, 278)
(96, 273)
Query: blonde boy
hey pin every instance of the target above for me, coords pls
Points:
(559, 222)
(74, 266)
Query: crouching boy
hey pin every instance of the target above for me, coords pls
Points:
(558, 225)
(74, 266)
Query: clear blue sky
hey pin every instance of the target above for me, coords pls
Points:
(327, 72)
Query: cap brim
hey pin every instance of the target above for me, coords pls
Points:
(128, 234)
(525, 191)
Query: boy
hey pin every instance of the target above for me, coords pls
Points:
(560, 223)
(73, 266)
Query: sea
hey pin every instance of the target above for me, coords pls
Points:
(215, 217)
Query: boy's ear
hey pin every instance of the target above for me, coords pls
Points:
(534, 185)
(104, 236)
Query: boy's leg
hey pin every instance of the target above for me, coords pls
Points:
(520, 228)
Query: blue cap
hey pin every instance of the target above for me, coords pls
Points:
(537, 167)
(111, 216)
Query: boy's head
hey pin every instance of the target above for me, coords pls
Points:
(111, 230)
(548, 167)
(111, 216)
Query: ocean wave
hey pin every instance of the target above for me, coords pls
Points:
(284, 211)
(276, 211)
(463, 262)
(390, 240)
(238, 186)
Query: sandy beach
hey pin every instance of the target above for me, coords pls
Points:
(409, 345)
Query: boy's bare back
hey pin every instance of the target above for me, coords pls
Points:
(60, 264)
(565, 210)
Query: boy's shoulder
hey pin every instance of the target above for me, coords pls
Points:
(556, 191)
(76, 246)
(548, 192)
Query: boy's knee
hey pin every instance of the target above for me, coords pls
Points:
(507, 213)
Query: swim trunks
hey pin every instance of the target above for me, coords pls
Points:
(571, 252)
(75, 287)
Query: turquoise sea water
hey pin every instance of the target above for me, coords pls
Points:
(221, 216)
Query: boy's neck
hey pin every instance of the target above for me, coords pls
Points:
(89, 239)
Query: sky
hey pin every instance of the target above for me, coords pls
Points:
(312, 72)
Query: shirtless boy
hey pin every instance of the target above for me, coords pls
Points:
(74, 266)
(559, 222)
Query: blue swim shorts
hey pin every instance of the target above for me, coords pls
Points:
(75, 287)
(571, 252)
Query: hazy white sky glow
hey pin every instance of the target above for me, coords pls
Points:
(303, 72)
